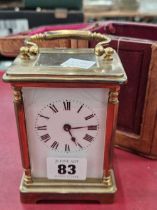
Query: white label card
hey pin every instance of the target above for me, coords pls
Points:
(73, 62)
(66, 168)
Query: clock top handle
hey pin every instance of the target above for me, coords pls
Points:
(32, 49)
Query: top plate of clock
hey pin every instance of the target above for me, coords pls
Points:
(65, 65)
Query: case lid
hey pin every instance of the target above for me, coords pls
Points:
(66, 65)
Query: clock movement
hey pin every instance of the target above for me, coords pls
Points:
(66, 103)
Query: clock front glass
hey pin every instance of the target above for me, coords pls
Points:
(66, 123)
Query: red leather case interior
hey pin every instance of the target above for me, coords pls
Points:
(136, 43)
(132, 30)
(130, 41)
(135, 56)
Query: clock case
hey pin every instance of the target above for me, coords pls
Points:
(40, 67)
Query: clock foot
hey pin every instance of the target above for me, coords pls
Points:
(89, 191)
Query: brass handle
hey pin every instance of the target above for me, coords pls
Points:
(68, 34)
(32, 49)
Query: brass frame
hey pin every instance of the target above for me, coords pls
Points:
(34, 189)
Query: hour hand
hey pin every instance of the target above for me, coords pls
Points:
(77, 144)
(67, 128)
(73, 138)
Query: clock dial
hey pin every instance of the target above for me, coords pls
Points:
(66, 123)
(66, 126)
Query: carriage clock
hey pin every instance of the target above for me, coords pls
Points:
(66, 103)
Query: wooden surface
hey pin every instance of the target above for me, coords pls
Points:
(149, 130)
(146, 142)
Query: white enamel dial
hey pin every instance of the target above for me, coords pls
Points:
(66, 125)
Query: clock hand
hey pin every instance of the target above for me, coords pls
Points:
(83, 127)
(72, 138)
(79, 127)
(68, 128)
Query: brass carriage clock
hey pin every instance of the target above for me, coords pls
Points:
(66, 104)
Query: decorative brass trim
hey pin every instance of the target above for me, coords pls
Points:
(107, 181)
(27, 177)
(108, 54)
(113, 97)
(99, 50)
(17, 93)
(26, 52)
(52, 185)
(27, 172)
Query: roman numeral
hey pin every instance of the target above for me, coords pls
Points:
(67, 148)
(55, 145)
(45, 137)
(88, 138)
(89, 116)
(44, 116)
(80, 108)
(42, 128)
(92, 127)
(67, 105)
(53, 108)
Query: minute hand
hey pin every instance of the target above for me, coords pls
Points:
(87, 126)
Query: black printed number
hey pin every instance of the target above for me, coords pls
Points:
(72, 169)
(63, 169)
